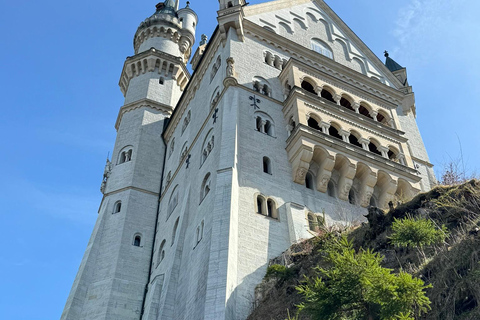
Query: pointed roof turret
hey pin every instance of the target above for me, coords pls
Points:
(391, 64)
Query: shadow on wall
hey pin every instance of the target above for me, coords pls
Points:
(242, 300)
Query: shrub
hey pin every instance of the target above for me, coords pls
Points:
(355, 286)
(411, 232)
(278, 271)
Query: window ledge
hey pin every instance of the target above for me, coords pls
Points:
(270, 218)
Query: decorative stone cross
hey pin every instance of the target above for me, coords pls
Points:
(255, 101)
(215, 116)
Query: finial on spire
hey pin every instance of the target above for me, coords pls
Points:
(386, 54)
(188, 4)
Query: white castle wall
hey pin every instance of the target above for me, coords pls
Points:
(215, 277)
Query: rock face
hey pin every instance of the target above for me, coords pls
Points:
(453, 269)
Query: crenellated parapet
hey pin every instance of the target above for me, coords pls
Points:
(153, 60)
(168, 32)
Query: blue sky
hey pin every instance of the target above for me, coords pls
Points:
(60, 66)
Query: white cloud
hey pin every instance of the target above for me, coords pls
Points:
(435, 29)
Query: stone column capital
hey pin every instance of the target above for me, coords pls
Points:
(325, 126)
(364, 142)
(384, 151)
(345, 134)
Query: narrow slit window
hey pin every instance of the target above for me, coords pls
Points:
(260, 205)
(271, 209)
(309, 181)
(267, 165)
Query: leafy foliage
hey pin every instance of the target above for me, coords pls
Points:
(355, 286)
(411, 232)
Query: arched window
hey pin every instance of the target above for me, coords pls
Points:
(393, 154)
(161, 252)
(125, 155)
(264, 123)
(137, 240)
(352, 138)
(364, 111)
(383, 118)
(268, 128)
(215, 68)
(261, 205)
(291, 126)
(208, 145)
(205, 187)
(269, 58)
(267, 165)
(266, 90)
(169, 177)
(259, 124)
(308, 86)
(272, 209)
(184, 151)
(261, 85)
(312, 222)
(309, 181)
(186, 121)
(257, 86)
(351, 197)
(327, 95)
(215, 97)
(173, 202)
(174, 233)
(161, 80)
(332, 131)
(172, 147)
(372, 147)
(331, 189)
(117, 207)
(321, 48)
(312, 123)
(346, 104)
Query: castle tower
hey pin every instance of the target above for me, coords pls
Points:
(115, 269)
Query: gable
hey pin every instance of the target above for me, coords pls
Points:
(312, 24)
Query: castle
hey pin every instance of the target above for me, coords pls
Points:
(288, 121)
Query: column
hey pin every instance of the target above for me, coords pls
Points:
(365, 143)
(345, 134)
(325, 126)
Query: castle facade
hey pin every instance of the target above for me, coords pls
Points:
(288, 122)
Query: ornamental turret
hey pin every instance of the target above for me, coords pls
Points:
(163, 45)
(169, 30)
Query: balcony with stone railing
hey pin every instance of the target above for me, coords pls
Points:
(347, 171)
